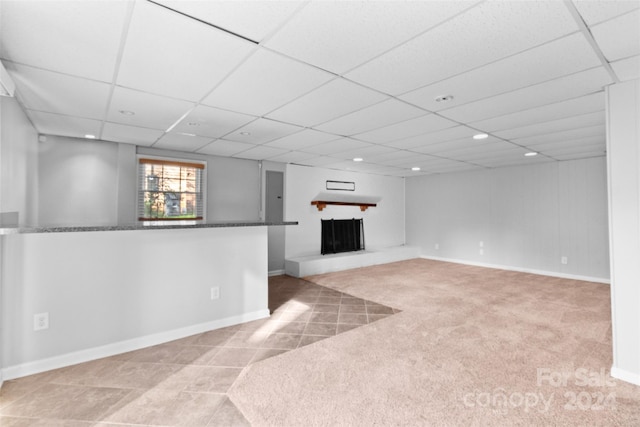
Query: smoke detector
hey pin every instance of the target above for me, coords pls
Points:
(444, 98)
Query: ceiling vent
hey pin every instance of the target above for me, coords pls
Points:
(7, 87)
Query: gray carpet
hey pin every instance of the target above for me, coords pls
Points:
(472, 346)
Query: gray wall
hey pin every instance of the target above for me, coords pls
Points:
(84, 182)
(233, 185)
(108, 292)
(18, 163)
(526, 217)
(623, 147)
(78, 182)
(18, 180)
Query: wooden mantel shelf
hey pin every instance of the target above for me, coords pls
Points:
(321, 204)
(322, 200)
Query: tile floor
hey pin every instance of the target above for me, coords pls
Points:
(184, 382)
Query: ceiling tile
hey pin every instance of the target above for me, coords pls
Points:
(265, 82)
(429, 164)
(180, 142)
(627, 69)
(336, 146)
(319, 161)
(453, 167)
(80, 38)
(350, 165)
(533, 141)
(291, 157)
(302, 139)
(575, 122)
(484, 34)
(260, 152)
(221, 147)
(373, 117)
(571, 107)
(560, 150)
(130, 134)
(60, 93)
(338, 36)
(212, 122)
(479, 156)
(396, 157)
(619, 38)
(581, 155)
(365, 152)
(169, 54)
(578, 142)
(408, 128)
(461, 150)
(456, 145)
(261, 131)
(448, 134)
(329, 101)
(560, 89)
(513, 161)
(252, 19)
(424, 162)
(594, 12)
(57, 124)
(151, 111)
(561, 57)
(395, 171)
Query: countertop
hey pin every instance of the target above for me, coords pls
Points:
(162, 226)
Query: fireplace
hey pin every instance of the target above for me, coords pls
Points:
(342, 235)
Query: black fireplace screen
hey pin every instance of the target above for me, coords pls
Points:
(342, 235)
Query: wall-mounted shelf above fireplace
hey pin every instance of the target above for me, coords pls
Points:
(321, 204)
(323, 199)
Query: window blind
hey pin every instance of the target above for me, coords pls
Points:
(170, 190)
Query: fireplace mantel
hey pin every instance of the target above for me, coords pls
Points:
(323, 199)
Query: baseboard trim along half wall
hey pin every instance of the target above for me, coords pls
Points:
(627, 376)
(523, 270)
(87, 355)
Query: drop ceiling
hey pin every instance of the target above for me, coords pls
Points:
(320, 83)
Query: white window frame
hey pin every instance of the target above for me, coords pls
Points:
(178, 161)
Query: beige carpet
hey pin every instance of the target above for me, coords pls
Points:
(472, 346)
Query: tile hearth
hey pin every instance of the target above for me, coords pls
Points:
(184, 382)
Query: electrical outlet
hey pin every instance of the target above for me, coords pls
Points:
(481, 251)
(215, 292)
(40, 321)
(436, 246)
(564, 260)
(481, 244)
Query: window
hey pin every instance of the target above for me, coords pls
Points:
(170, 190)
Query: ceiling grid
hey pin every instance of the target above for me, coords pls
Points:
(320, 83)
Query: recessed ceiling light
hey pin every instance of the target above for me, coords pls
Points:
(531, 154)
(480, 136)
(88, 136)
(245, 133)
(444, 98)
(415, 168)
(358, 159)
(127, 112)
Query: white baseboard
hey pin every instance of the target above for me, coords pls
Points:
(522, 270)
(63, 360)
(627, 376)
(276, 273)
